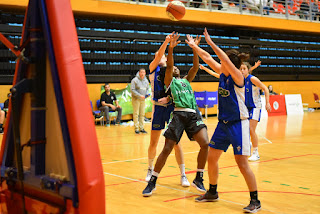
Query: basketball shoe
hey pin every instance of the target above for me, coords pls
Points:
(253, 207)
(150, 187)
(255, 156)
(184, 181)
(198, 182)
(208, 197)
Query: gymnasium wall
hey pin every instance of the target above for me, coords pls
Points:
(151, 12)
(305, 88)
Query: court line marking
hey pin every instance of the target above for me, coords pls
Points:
(269, 141)
(184, 191)
(224, 167)
(142, 181)
(141, 158)
(171, 154)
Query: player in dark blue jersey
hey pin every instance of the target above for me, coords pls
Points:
(162, 108)
(233, 126)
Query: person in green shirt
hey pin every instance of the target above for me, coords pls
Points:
(183, 118)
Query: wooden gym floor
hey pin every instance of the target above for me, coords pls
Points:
(286, 173)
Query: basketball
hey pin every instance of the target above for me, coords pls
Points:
(176, 10)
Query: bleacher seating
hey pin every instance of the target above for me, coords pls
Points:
(115, 49)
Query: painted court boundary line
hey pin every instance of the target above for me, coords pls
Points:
(169, 155)
(185, 191)
(144, 182)
(142, 158)
(224, 167)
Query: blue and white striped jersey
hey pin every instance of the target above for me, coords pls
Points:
(231, 100)
(252, 95)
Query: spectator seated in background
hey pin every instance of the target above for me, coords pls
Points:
(107, 101)
(6, 104)
(217, 3)
(267, 6)
(304, 10)
(3, 112)
(196, 4)
(315, 10)
(2, 116)
(271, 92)
(253, 5)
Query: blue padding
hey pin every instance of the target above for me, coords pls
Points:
(206, 98)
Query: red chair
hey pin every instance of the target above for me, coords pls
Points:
(281, 8)
(316, 98)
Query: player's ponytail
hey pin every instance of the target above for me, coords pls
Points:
(236, 57)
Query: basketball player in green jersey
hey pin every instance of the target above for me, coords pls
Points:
(183, 118)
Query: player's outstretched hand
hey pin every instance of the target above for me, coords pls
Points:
(190, 41)
(174, 40)
(168, 37)
(197, 40)
(257, 63)
(207, 36)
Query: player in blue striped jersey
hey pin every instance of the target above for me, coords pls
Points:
(233, 126)
(253, 103)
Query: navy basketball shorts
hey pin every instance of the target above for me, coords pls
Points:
(161, 116)
(236, 133)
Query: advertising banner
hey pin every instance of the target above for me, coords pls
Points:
(278, 105)
(125, 100)
(294, 104)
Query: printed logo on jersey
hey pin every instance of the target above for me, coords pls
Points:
(223, 92)
(183, 84)
(247, 89)
(212, 143)
(158, 78)
(199, 122)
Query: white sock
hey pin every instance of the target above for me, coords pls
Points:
(155, 174)
(255, 149)
(200, 170)
(182, 170)
(150, 162)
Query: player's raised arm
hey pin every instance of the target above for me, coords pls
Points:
(234, 72)
(204, 55)
(209, 71)
(160, 52)
(170, 62)
(256, 64)
(259, 84)
(194, 69)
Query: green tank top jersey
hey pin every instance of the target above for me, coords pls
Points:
(183, 96)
